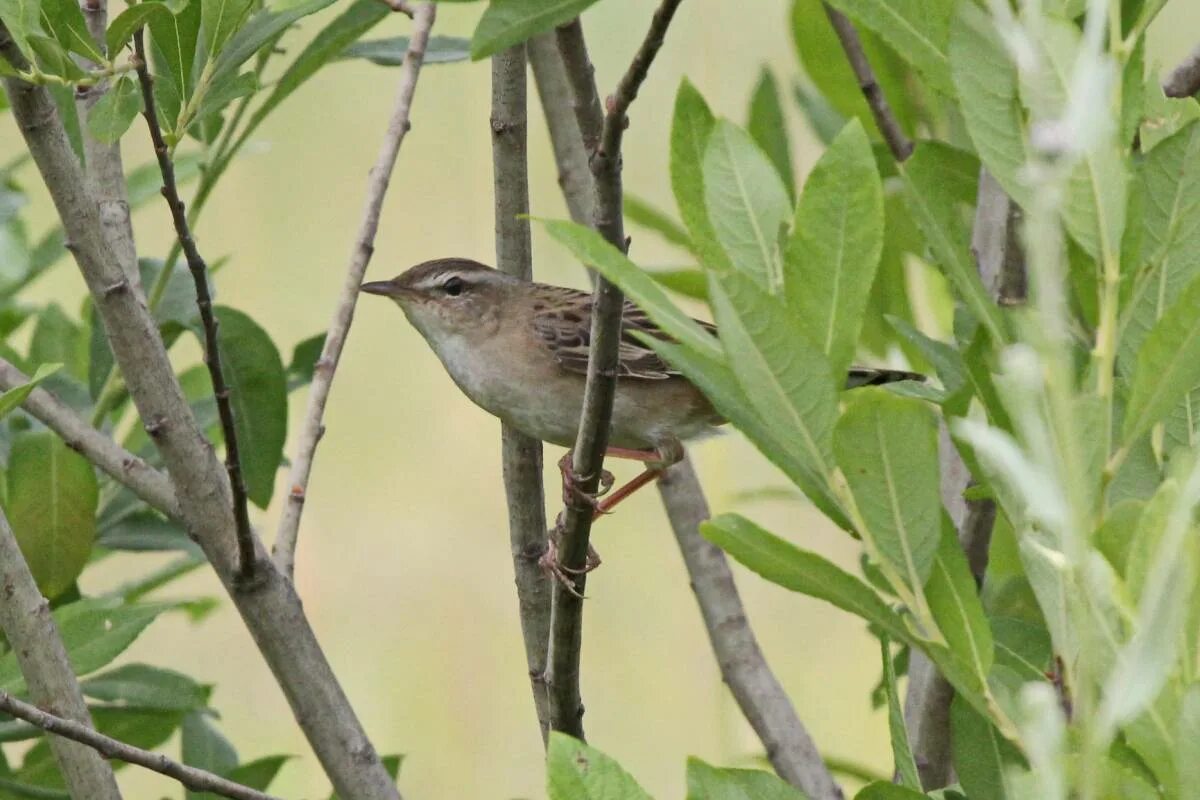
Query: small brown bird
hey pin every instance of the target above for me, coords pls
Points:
(519, 350)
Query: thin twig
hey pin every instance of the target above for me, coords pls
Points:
(566, 707)
(124, 467)
(1184, 80)
(889, 127)
(247, 550)
(195, 779)
(743, 667)
(31, 632)
(343, 315)
(521, 455)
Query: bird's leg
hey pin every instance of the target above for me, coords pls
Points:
(570, 483)
(656, 460)
(560, 572)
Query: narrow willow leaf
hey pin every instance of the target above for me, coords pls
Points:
(886, 447)
(64, 21)
(945, 359)
(691, 127)
(688, 282)
(954, 601)
(916, 29)
(786, 379)
(219, 21)
(1163, 116)
(94, 632)
(882, 790)
(258, 393)
(825, 63)
(983, 758)
(53, 58)
(304, 360)
(928, 175)
(204, 747)
(173, 47)
(767, 126)
(51, 503)
(823, 119)
(1022, 646)
(22, 18)
(358, 18)
(593, 249)
(222, 92)
(835, 246)
(1187, 744)
(58, 338)
(508, 22)
(121, 29)
(575, 771)
(906, 766)
(260, 773)
(641, 212)
(706, 782)
(144, 686)
(115, 111)
(13, 398)
(146, 531)
(746, 203)
(801, 571)
(718, 383)
(1170, 178)
(262, 29)
(986, 80)
(390, 52)
(143, 728)
(1168, 365)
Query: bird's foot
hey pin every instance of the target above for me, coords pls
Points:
(561, 572)
(571, 491)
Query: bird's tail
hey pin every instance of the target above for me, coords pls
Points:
(869, 376)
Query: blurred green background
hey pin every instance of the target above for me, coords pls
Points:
(404, 561)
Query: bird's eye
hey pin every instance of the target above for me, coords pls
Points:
(453, 286)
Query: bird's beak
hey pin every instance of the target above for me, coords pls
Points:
(385, 288)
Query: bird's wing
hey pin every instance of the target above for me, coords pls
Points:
(564, 325)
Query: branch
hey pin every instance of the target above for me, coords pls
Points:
(40, 653)
(885, 121)
(247, 545)
(269, 606)
(744, 669)
(574, 177)
(196, 779)
(521, 455)
(343, 315)
(999, 258)
(1184, 80)
(122, 466)
(566, 708)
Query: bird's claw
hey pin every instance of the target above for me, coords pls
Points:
(573, 494)
(561, 572)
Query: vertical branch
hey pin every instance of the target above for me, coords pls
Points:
(521, 454)
(343, 315)
(26, 621)
(743, 667)
(574, 177)
(246, 542)
(566, 707)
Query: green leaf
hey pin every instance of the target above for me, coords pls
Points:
(986, 80)
(801, 571)
(786, 379)
(223, 91)
(121, 29)
(886, 447)
(745, 202)
(928, 176)
(390, 52)
(259, 773)
(836, 242)
(594, 250)
(64, 21)
(204, 747)
(1022, 647)
(22, 18)
(1168, 365)
(918, 30)
(144, 686)
(1170, 179)
(57, 338)
(906, 766)
(954, 601)
(358, 18)
(640, 212)
(261, 29)
(219, 21)
(881, 790)
(304, 360)
(258, 393)
(94, 632)
(13, 398)
(51, 502)
(144, 728)
(575, 771)
(691, 129)
(691, 283)
(391, 763)
(823, 119)
(115, 111)
(173, 48)
(1187, 745)
(1095, 202)
(508, 22)
(768, 128)
(982, 757)
(705, 782)
(146, 531)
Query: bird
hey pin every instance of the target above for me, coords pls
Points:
(519, 350)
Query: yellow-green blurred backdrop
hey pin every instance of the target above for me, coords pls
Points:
(404, 561)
